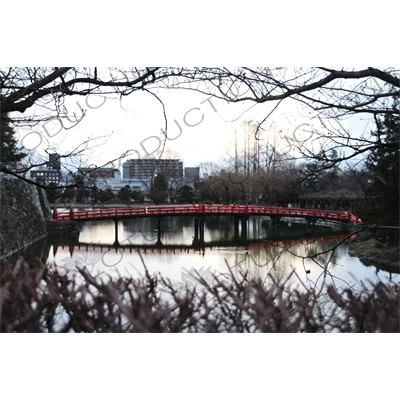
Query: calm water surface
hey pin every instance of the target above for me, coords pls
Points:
(268, 253)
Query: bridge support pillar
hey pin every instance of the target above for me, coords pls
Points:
(159, 243)
(275, 224)
(311, 224)
(198, 230)
(245, 224)
(116, 242)
(236, 228)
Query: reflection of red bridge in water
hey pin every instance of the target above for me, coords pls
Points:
(204, 210)
(178, 249)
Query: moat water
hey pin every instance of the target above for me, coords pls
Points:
(315, 252)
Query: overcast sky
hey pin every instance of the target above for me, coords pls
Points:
(199, 127)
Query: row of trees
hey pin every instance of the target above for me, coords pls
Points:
(82, 194)
(264, 171)
(174, 191)
(303, 185)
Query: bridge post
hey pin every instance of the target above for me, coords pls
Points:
(275, 224)
(198, 230)
(245, 220)
(116, 242)
(159, 243)
(311, 224)
(236, 228)
(201, 228)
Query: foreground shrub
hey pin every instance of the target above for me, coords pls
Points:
(41, 298)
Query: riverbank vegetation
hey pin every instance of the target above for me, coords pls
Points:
(42, 298)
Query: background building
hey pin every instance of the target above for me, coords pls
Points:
(54, 162)
(46, 176)
(144, 170)
(51, 174)
(192, 175)
(102, 178)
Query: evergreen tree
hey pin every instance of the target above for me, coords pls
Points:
(159, 189)
(125, 194)
(185, 194)
(383, 164)
(101, 196)
(9, 150)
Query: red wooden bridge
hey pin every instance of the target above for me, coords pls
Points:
(203, 210)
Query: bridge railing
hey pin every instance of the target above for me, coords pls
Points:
(200, 209)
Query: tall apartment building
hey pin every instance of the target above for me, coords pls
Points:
(192, 175)
(146, 169)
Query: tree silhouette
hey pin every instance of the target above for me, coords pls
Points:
(9, 151)
(159, 189)
(185, 194)
(383, 163)
(125, 194)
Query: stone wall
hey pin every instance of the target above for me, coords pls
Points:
(55, 229)
(24, 210)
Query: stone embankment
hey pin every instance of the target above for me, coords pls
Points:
(25, 216)
(62, 228)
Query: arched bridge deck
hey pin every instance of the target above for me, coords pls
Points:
(204, 210)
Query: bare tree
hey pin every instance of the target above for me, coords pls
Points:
(35, 95)
(340, 91)
(327, 95)
(323, 89)
(47, 88)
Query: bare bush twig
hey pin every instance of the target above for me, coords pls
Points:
(40, 298)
